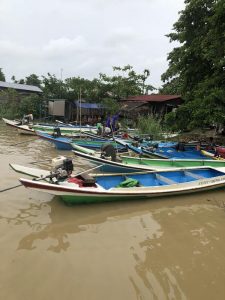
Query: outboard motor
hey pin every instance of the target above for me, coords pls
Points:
(68, 165)
(56, 132)
(62, 167)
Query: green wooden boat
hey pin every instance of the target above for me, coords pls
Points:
(96, 188)
(172, 163)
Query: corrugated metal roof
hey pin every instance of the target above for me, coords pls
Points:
(130, 105)
(18, 86)
(152, 98)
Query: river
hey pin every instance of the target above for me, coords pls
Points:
(170, 248)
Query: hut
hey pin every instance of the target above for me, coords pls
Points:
(154, 104)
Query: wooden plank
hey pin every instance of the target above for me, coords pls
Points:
(195, 176)
(165, 179)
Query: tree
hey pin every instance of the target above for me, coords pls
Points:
(2, 76)
(89, 89)
(196, 67)
(126, 83)
(33, 79)
(31, 104)
(54, 88)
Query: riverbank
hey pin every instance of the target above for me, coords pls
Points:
(202, 135)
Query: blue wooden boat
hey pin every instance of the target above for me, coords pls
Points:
(172, 153)
(140, 150)
(64, 143)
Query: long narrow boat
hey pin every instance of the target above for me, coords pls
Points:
(217, 155)
(139, 150)
(107, 165)
(66, 130)
(23, 129)
(65, 143)
(102, 188)
(132, 163)
(171, 163)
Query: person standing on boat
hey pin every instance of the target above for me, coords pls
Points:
(30, 118)
(108, 121)
(115, 119)
(108, 125)
(27, 119)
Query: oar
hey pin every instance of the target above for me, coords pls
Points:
(42, 178)
(21, 142)
(88, 170)
(10, 188)
(18, 185)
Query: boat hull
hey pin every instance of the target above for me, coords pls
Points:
(81, 196)
(64, 143)
(22, 129)
(65, 130)
(132, 164)
(171, 163)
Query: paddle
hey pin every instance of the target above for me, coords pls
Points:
(21, 142)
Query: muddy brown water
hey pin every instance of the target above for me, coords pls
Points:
(170, 248)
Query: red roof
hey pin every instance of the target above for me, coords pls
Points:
(152, 98)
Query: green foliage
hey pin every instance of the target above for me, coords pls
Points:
(196, 67)
(111, 105)
(33, 79)
(30, 104)
(14, 106)
(86, 89)
(126, 83)
(171, 122)
(9, 103)
(2, 76)
(149, 125)
(105, 89)
(54, 88)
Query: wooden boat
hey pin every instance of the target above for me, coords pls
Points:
(132, 163)
(102, 188)
(23, 129)
(171, 163)
(66, 130)
(65, 143)
(107, 165)
(172, 153)
(139, 150)
(213, 155)
(61, 143)
(220, 152)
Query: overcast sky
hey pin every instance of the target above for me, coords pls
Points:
(85, 37)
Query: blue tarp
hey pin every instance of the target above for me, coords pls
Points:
(88, 105)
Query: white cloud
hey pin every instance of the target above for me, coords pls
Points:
(85, 37)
